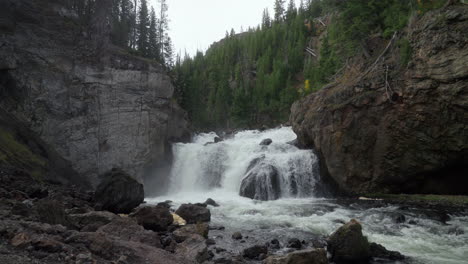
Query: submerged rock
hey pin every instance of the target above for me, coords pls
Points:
(294, 243)
(379, 251)
(118, 192)
(266, 142)
(347, 244)
(211, 202)
(308, 256)
(237, 235)
(193, 213)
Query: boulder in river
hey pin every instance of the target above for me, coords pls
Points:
(118, 192)
(211, 202)
(266, 142)
(193, 213)
(255, 252)
(308, 256)
(379, 251)
(156, 218)
(236, 235)
(261, 183)
(347, 244)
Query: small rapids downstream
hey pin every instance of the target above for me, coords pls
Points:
(240, 165)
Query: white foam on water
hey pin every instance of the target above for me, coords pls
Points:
(216, 171)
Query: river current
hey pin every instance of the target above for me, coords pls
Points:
(202, 169)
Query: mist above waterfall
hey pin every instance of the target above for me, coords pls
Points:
(268, 171)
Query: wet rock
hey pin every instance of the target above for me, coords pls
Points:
(379, 251)
(194, 248)
(261, 183)
(266, 142)
(308, 256)
(217, 227)
(456, 231)
(400, 219)
(211, 202)
(236, 236)
(187, 231)
(194, 213)
(275, 244)
(91, 221)
(119, 192)
(210, 242)
(412, 222)
(347, 244)
(156, 218)
(217, 139)
(294, 243)
(254, 252)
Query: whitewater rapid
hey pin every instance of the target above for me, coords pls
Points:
(202, 171)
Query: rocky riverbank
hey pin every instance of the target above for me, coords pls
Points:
(52, 223)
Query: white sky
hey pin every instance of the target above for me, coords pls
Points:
(196, 24)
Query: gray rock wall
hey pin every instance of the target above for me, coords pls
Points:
(99, 110)
(411, 137)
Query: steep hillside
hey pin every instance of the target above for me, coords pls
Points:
(383, 126)
(98, 106)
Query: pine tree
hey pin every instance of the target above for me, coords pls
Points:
(266, 20)
(291, 12)
(143, 29)
(154, 50)
(168, 52)
(279, 10)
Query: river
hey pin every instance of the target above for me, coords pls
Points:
(202, 170)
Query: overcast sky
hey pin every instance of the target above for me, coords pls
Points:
(195, 24)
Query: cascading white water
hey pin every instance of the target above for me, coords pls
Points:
(217, 170)
(203, 165)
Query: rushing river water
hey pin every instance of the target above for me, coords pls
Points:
(202, 171)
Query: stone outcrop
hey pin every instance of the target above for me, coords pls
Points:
(348, 245)
(410, 136)
(316, 256)
(97, 105)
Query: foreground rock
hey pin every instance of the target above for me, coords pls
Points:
(119, 192)
(261, 183)
(193, 213)
(156, 218)
(348, 244)
(413, 139)
(308, 256)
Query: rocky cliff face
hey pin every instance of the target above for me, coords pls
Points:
(98, 106)
(408, 136)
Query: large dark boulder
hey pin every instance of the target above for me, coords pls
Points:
(261, 183)
(308, 256)
(412, 138)
(193, 213)
(266, 142)
(118, 192)
(156, 218)
(348, 245)
(255, 252)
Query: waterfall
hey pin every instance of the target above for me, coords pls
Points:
(240, 164)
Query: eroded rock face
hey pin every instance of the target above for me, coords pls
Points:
(98, 107)
(411, 138)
